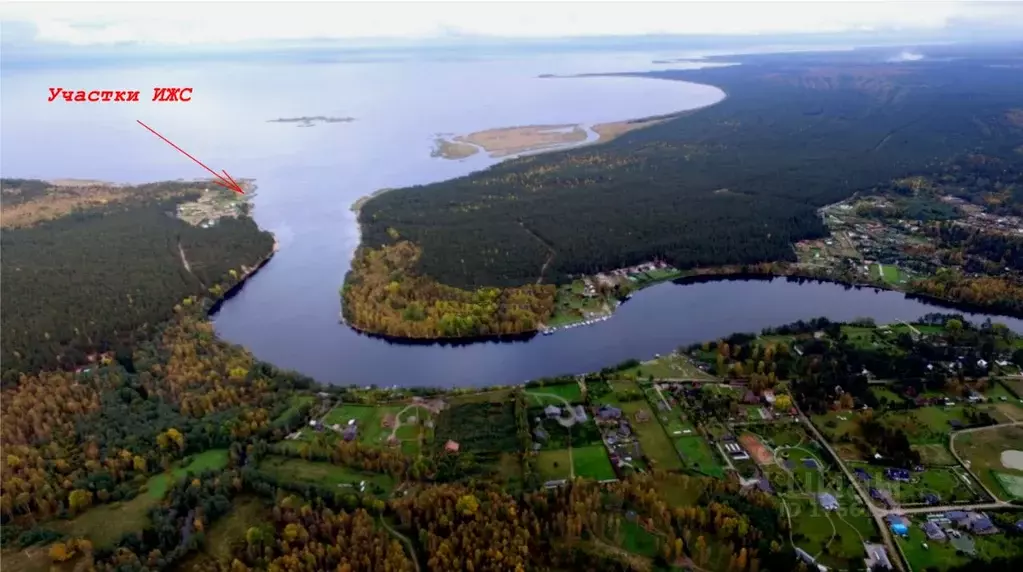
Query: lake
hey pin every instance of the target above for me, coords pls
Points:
(308, 177)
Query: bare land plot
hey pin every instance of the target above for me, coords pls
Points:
(984, 449)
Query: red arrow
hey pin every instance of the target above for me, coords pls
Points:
(224, 181)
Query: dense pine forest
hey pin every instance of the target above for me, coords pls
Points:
(87, 281)
(735, 183)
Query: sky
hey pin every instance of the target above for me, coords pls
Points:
(185, 23)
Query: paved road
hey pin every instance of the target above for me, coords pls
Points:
(876, 512)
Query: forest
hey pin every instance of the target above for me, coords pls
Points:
(100, 277)
(384, 294)
(736, 182)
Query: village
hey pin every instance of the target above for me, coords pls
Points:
(874, 241)
(709, 411)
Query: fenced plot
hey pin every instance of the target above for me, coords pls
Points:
(757, 450)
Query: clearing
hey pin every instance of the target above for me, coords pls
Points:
(324, 474)
(983, 451)
(591, 462)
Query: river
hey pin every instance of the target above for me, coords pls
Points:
(308, 177)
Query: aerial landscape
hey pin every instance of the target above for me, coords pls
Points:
(738, 293)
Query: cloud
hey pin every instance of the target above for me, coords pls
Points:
(227, 22)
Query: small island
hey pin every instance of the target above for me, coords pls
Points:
(509, 141)
(306, 121)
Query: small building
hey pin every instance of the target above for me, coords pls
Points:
(827, 501)
(877, 557)
(349, 433)
(552, 412)
(451, 446)
(861, 474)
(609, 413)
(769, 396)
(983, 526)
(932, 498)
(580, 414)
(642, 416)
(540, 434)
(934, 532)
(899, 475)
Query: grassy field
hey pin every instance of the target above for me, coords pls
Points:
(699, 456)
(942, 555)
(554, 465)
(325, 474)
(983, 450)
(367, 417)
(926, 425)
(946, 483)
(935, 455)
(213, 459)
(637, 540)
(671, 366)
(105, 524)
(651, 436)
(841, 532)
(570, 392)
(228, 532)
(591, 462)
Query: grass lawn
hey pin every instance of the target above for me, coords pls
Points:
(843, 533)
(983, 450)
(591, 462)
(229, 531)
(935, 455)
(651, 436)
(1015, 385)
(946, 483)
(554, 465)
(570, 392)
(637, 540)
(926, 425)
(493, 396)
(367, 417)
(942, 555)
(671, 366)
(699, 456)
(325, 474)
(213, 459)
(105, 524)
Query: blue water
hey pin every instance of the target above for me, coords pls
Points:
(308, 177)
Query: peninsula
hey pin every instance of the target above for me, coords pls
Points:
(735, 187)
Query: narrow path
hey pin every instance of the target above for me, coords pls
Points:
(404, 540)
(550, 251)
(184, 259)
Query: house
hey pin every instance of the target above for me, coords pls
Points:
(955, 423)
(624, 430)
(898, 523)
(609, 413)
(983, 526)
(899, 475)
(736, 452)
(552, 412)
(982, 363)
(349, 433)
(642, 416)
(956, 516)
(934, 532)
(932, 498)
(580, 414)
(540, 434)
(861, 474)
(451, 446)
(769, 397)
(827, 501)
(877, 557)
